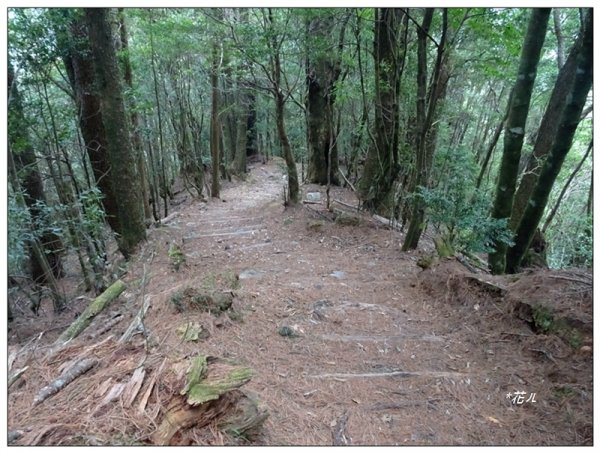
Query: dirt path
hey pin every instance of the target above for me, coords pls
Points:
(375, 361)
(373, 358)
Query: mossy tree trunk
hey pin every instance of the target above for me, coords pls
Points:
(322, 73)
(126, 181)
(381, 166)
(545, 134)
(514, 132)
(79, 66)
(569, 121)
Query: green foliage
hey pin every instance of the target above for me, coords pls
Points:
(18, 235)
(458, 211)
(543, 319)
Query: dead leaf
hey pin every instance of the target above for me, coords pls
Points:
(493, 420)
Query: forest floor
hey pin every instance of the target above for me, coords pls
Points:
(350, 342)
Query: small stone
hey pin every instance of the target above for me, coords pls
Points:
(286, 331)
(313, 196)
(586, 349)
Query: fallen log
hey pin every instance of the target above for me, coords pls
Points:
(137, 325)
(390, 223)
(64, 379)
(93, 309)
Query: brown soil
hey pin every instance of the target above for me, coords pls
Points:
(373, 351)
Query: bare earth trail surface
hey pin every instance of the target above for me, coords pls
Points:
(351, 343)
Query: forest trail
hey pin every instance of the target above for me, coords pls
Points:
(350, 341)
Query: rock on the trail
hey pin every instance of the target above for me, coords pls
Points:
(313, 196)
(251, 273)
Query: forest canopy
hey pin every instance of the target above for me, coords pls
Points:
(474, 124)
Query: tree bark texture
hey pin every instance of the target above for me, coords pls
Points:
(562, 144)
(125, 178)
(323, 71)
(292, 172)
(80, 68)
(215, 129)
(380, 171)
(515, 127)
(136, 139)
(545, 135)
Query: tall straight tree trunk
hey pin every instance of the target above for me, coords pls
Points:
(323, 72)
(136, 139)
(515, 127)
(380, 171)
(27, 171)
(545, 135)
(215, 129)
(125, 177)
(292, 172)
(80, 68)
(426, 130)
(562, 144)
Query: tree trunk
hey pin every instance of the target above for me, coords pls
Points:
(215, 129)
(426, 129)
(125, 177)
(545, 135)
(292, 172)
(322, 73)
(381, 166)
(136, 139)
(564, 189)
(562, 144)
(515, 127)
(80, 66)
(26, 170)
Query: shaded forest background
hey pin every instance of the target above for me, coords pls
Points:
(473, 123)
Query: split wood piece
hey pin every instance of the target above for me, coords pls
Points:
(16, 375)
(210, 393)
(245, 419)
(339, 432)
(434, 374)
(180, 415)
(93, 309)
(133, 386)
(65, 379)
(148, 392)
(206, 383)
(311, 202)
(106, 327)
(137, 325)
(113, 395)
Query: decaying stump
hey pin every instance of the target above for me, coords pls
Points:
(211, 395)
